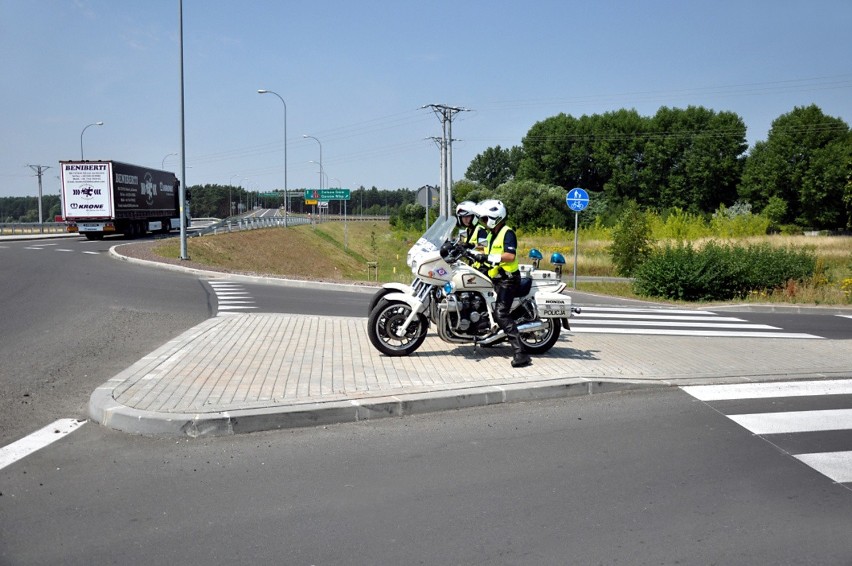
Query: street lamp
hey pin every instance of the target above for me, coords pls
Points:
(163, 164)
(320, 161)
(286, 193)
(81, 136)
(322, 172)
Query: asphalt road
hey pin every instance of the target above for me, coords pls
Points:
(639, 478)
(634, 478)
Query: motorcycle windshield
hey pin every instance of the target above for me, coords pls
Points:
(431, 240)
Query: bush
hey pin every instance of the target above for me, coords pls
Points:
(718, 272)
(631, 240)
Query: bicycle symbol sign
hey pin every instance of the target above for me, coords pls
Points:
(577, 199)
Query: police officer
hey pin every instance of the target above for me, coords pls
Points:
(466, 220)
(500, 250)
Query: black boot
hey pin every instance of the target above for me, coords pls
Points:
(520, 358)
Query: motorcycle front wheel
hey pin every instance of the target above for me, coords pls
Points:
(540, 341)
(384, 322)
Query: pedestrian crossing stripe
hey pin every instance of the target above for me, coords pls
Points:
(766, 390)
(795, 421)
(231, 296)
(835, 465)
(672, 322)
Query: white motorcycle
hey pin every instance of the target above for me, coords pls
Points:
(460, 301)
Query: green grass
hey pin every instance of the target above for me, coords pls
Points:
(340, 251)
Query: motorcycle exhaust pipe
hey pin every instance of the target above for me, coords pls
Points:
(526, 327)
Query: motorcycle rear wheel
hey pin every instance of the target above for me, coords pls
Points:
(383, 323)
(541, 341)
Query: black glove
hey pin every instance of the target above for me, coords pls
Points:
(480, 258)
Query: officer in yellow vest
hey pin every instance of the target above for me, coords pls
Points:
(500, 251)
(470, 232)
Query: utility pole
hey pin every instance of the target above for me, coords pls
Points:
(446, 114)
(39, 170)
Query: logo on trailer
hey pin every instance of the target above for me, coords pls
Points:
(149, 188)
(86, 192)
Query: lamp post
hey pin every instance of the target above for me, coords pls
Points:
(320, 161)
(83, 132)
(286, 193)
(163, 163)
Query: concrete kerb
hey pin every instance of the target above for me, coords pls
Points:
(105, 410)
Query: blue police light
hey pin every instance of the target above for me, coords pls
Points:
(536, 257)
(557, 259)
(449, 288)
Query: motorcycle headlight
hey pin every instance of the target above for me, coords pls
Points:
(449, 288)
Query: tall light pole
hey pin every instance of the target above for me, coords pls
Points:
(322, 172)
(286, 193)
(83, 132)
(320, 161)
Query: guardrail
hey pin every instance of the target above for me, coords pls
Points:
(249, 223)
(17, 228)
(213, 225)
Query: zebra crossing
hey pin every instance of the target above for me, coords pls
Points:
(672, 322)
(818, 432)
(231, 297)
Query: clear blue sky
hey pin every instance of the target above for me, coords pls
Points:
(355, 75)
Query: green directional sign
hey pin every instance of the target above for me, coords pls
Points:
(272, 194)
(326, 194)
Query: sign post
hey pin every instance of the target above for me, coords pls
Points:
(577, 199)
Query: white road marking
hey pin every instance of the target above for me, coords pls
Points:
(665, 332)
(795, 421)
(36, 441)
(741, 325)
(660, 317)
(93, 253)
(835, 465)
(649, 310)
(768, 390)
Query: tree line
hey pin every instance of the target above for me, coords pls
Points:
(692, 159)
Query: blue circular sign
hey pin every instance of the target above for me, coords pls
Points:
(577, 199)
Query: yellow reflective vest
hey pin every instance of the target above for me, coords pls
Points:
(495, 246)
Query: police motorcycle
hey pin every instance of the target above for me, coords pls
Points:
(460, 300)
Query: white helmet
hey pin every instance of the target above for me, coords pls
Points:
(493, 210)
(466, 208)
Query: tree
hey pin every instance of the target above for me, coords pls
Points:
(689, 159)
(805, 162)
(631, 240)
(494, 166)
(693, 159)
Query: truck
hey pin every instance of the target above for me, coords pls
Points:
(110, 197)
